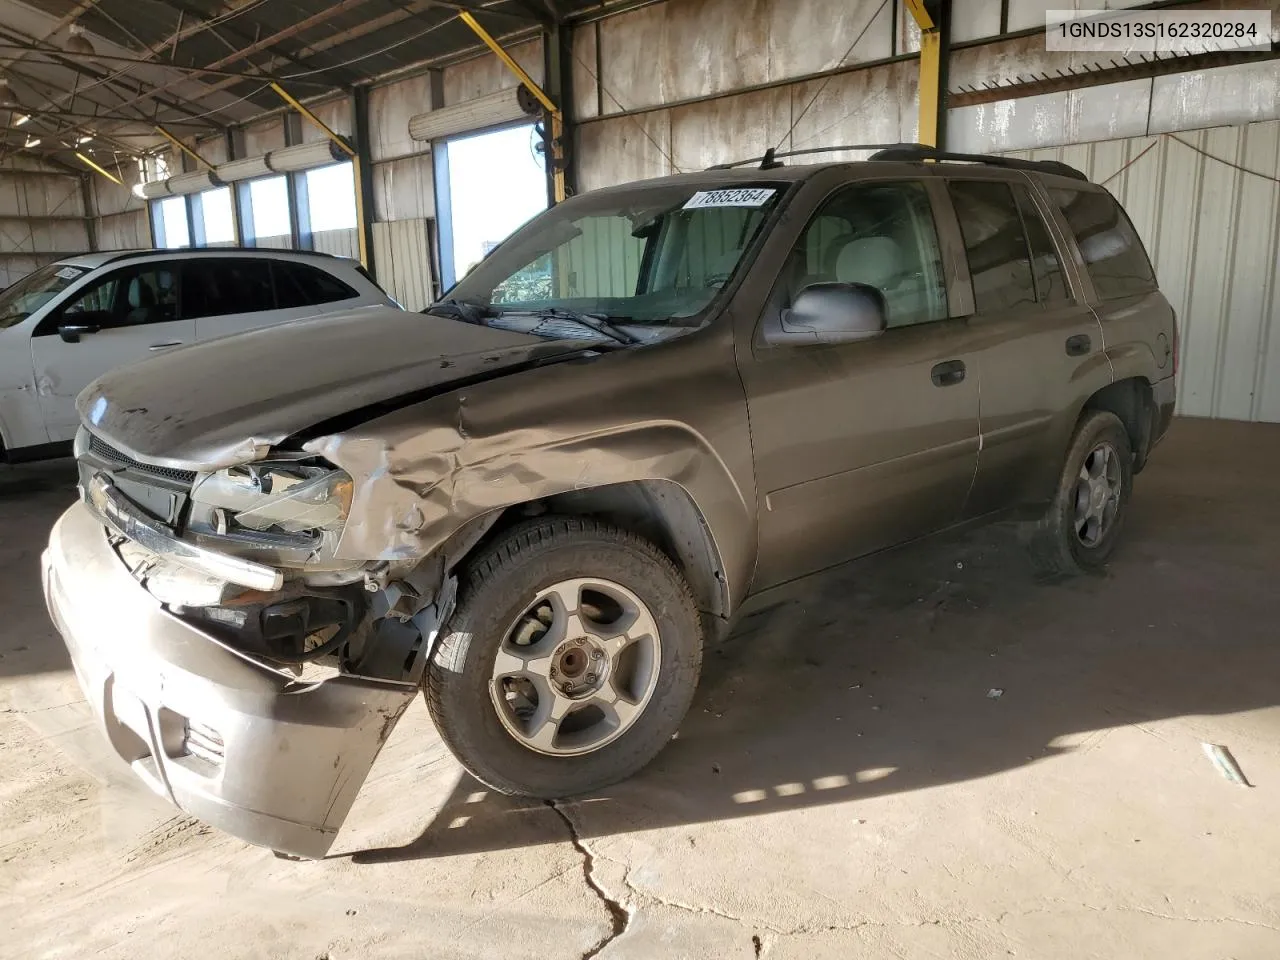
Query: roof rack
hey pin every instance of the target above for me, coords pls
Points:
(771, 156)
(117, 256)
(918, 151)
(911, 152)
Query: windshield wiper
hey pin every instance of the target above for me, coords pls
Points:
(590, 321)
(467, 310)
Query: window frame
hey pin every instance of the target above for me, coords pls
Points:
(1047, 221)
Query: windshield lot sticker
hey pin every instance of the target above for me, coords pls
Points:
(744, 197)
(69, 273)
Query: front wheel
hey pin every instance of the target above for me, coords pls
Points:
(570, 661)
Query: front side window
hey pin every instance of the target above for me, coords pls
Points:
(995, 245)
(19, 300)
(657, 255)
(218, 287)
(1111, 248)
(128, 298)
(881, 234)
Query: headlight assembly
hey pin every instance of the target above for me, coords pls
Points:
(288, 513)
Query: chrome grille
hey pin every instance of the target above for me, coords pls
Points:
(107, 452)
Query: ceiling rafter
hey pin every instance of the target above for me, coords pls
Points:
(53, 128)
(234, 40)
(262, 44)
(110, 83)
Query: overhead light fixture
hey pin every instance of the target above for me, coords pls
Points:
(22, 119)
(81, 141)
(32, 142)
(78, 42)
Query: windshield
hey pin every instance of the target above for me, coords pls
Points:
(652, 255)
(18, 301)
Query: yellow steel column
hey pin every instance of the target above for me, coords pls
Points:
(930, 72)
(930, 64)
(556, 117)
(361, 213)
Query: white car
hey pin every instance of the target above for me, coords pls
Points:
(72, 321)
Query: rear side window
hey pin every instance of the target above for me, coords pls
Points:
(1047, 270)
(1111, 248)
(995, 244)
(302, 285)
(215, 288)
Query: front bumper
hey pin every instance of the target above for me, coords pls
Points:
(231, 741)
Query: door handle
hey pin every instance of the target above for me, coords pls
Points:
(1079, 345)
(948, 373)
(165, 346)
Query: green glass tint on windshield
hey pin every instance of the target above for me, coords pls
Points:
(33, 291)
(646, 255)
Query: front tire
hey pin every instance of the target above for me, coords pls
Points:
(1080, 530)
(570, 661)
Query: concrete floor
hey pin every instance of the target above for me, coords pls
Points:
(844, 786)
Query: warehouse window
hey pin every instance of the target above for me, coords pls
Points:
(491, 184)
(1110, 246)
(211, 217)
(331, 197)
(265, 212)
(169, 220)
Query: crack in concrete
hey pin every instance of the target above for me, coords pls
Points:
(618, 913)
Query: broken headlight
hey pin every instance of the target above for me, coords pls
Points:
(281, 513)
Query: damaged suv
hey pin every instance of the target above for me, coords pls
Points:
(537, 498)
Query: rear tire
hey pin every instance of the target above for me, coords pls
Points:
(529, 654)
(1080, 530)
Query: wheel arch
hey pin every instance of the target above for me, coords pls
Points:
(661, 511)
(1131, 401)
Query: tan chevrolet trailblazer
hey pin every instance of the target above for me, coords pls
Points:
(536, 499)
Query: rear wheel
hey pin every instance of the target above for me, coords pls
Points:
(570, 661)
(1080, 530)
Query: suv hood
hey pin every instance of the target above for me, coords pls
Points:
(228, 401)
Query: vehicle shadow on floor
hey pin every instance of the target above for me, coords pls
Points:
(879, 677)
(32, 495)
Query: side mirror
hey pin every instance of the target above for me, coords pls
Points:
(74, 325)
(830, 313)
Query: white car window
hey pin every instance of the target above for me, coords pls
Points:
(129, 297)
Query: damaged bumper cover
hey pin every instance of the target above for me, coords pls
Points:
(241, 745)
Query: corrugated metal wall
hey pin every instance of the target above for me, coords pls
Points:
(42, 216)
(1213, 232)
(339, 243)
(402, 253)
